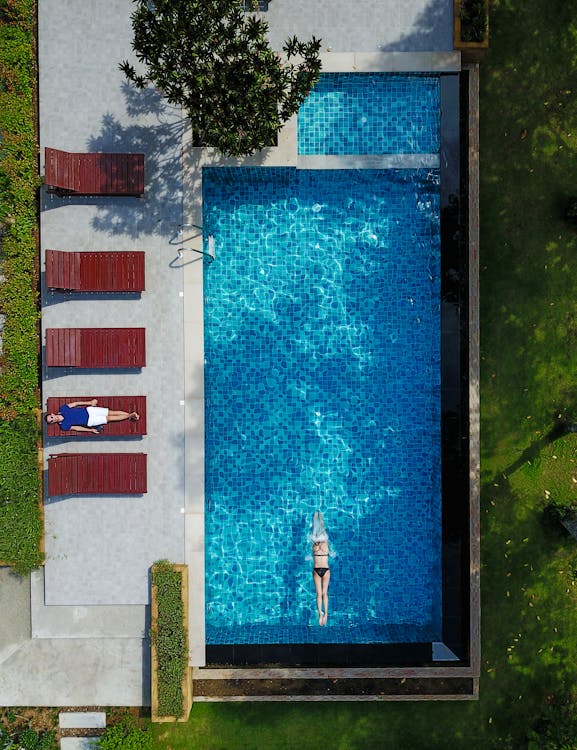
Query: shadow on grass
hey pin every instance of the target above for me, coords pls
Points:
(559, 430)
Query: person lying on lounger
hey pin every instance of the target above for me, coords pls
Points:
(86, 416)
(321, 572)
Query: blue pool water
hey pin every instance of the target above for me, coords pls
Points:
(322, 378)
(371, 113)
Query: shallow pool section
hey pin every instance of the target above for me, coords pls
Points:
(322, 377)
(371, 113)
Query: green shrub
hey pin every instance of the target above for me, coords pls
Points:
(28, 739)
(170, 639)
(124, 736)
(473, 20)
(20, 517)
(19, 182)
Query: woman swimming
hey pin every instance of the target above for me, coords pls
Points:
(321, 572)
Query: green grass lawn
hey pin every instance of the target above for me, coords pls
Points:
(529, 377)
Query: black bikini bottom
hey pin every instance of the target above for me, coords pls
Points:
(320, 571)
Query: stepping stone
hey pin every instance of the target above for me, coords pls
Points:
(77, 743)
(82, 720)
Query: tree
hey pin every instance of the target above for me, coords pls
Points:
(214, 59)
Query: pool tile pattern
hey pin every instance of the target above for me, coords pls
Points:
(371, 113)
(322, 378)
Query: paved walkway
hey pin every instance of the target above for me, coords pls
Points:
(15, 609)
(365, 25)
(99, 550)
(78, 633)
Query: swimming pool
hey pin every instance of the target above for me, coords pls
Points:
(371, 113)
(322, 389)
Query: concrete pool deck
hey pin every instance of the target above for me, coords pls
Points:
(87, 643)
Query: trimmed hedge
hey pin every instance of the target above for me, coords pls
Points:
(19, 182)
(20, 517)
(169, 638)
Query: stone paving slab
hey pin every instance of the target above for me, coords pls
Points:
(77, 743)
(390, 62)
(370, 161)
(14, 612)
(121, 621)
(77, 672)
(365, 26)
(82, 720)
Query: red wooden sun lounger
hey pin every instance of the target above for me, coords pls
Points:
(112, 429)
(95, 347)
(95, 271)
(94, 174)
(97, 474)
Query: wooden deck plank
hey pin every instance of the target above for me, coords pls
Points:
(62, 347)
(49, 353)
(74, 271)
(62, 269)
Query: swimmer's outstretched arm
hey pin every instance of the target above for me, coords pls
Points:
(319, 532)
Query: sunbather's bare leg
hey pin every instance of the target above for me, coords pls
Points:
(120, 416)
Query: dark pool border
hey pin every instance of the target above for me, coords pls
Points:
(458, 630)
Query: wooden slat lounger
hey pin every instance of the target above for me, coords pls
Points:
(96, 347)
(97, 474)
(112, 429)
(94, 174)
(95, 271)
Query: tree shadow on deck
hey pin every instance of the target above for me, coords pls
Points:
(432, 30)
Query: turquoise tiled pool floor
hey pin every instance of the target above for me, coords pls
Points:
(371, 113)
(322, 381)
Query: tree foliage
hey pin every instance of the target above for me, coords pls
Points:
(214, 59)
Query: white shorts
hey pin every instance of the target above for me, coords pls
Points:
(97, 415)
